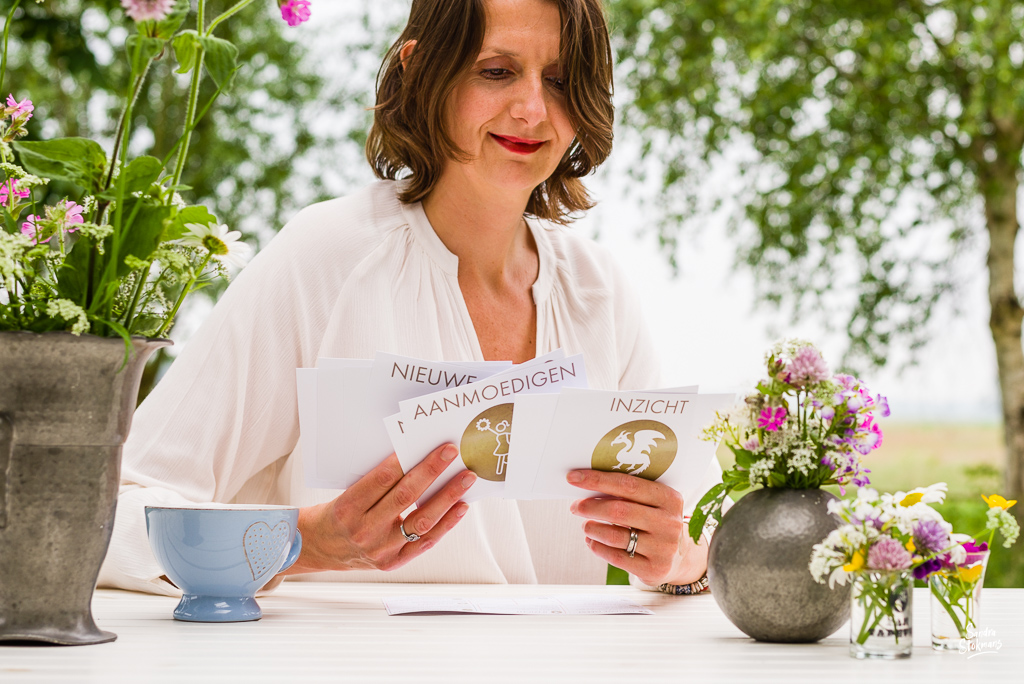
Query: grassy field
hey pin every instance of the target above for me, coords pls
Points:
(967, 457)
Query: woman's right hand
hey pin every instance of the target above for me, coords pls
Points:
(360, 530)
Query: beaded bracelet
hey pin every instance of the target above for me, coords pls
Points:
(697, 587)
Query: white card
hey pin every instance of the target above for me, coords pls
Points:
(478, 419)
(533, 413)
(342, 417)
(566, 604)
(305, 383)
(648, 434)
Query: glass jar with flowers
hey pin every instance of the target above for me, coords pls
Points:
(885, 542)
(98, 250)
(803, 428)
(956, 578)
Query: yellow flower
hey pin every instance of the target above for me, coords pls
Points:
(910, 546)
(996, 501)
(971, 574)
(911, 499)
(856, 564)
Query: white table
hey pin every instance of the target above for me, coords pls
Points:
(314, 632)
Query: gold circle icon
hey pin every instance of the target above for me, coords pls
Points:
(645, 448)
(484, 445)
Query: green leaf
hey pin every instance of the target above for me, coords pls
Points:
(142, 49)
(717, 495)
(221, 60)
(186, 48)
(72, 276)
(744, 458)
(142, 237)
(77, 160)
(138, 175)
(166, 27)
(197, 214)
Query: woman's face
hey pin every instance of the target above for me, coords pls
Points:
(508, 113)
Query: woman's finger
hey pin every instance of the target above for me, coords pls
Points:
(619, 512)
(415, 482)
(612, 535)
(372, 487)
(425, 517)
(445, 525)
(637, 565)
(628, 487)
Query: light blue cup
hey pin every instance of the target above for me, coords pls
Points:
(220, 557)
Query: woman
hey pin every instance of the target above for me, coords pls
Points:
(492, 110)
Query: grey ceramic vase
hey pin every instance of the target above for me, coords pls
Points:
(66, 404)
(758, 566)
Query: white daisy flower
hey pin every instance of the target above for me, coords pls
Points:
(222, 244)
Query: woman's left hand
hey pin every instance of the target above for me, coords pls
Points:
(664, 551)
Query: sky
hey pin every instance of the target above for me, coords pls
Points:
(706, 321)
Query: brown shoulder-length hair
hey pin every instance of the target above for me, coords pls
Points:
(409, 133)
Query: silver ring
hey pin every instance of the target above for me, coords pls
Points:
(408, 537)
(633, 536)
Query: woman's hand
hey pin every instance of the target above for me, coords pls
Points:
(360, 530)
(664, 551)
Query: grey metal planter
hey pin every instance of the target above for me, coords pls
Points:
(758, 567)
(66, 404)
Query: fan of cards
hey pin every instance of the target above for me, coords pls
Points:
(520, 428)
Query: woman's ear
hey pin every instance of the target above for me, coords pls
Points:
(406, 52)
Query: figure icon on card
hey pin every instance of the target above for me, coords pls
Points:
(645, 448)
(485, 443)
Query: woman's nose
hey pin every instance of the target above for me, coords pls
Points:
(529, 104)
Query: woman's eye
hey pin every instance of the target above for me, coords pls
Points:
(557, 82)
(495, 74)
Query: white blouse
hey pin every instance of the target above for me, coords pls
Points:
(347, 278)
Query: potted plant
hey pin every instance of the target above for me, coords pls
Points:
(803, 428)
(90, 282)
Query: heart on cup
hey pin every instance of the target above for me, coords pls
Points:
(264, 546)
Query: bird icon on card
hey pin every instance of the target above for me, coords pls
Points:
(645, 448)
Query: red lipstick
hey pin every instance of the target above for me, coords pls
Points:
(517, 145)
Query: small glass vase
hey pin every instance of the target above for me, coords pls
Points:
(956, 599)
(880, 614)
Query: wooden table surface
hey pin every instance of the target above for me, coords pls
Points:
(313, 632)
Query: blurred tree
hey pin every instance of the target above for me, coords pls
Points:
(874, 140)
(264, 149)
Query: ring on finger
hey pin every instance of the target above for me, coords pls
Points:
(408, 537)
(633, 537)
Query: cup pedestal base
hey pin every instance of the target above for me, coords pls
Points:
(195, 608)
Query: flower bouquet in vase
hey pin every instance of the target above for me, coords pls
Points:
(956, 578)
(98, 251)
(886, 541)
(802, 428)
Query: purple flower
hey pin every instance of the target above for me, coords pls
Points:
(883, 404)
(16, 109)
(930, 537)
(772, 419)
(9, 191)
(28, 228)
(927, 568)
(888, 554)
(848, 382)
(975, 552)
(828, 413)
(807, 367)
(294, 11)
(147, 10)
(72, 214)
(752, 444)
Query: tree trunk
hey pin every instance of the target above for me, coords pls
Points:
(999, 189)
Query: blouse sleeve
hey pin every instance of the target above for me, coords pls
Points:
(226, 409)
